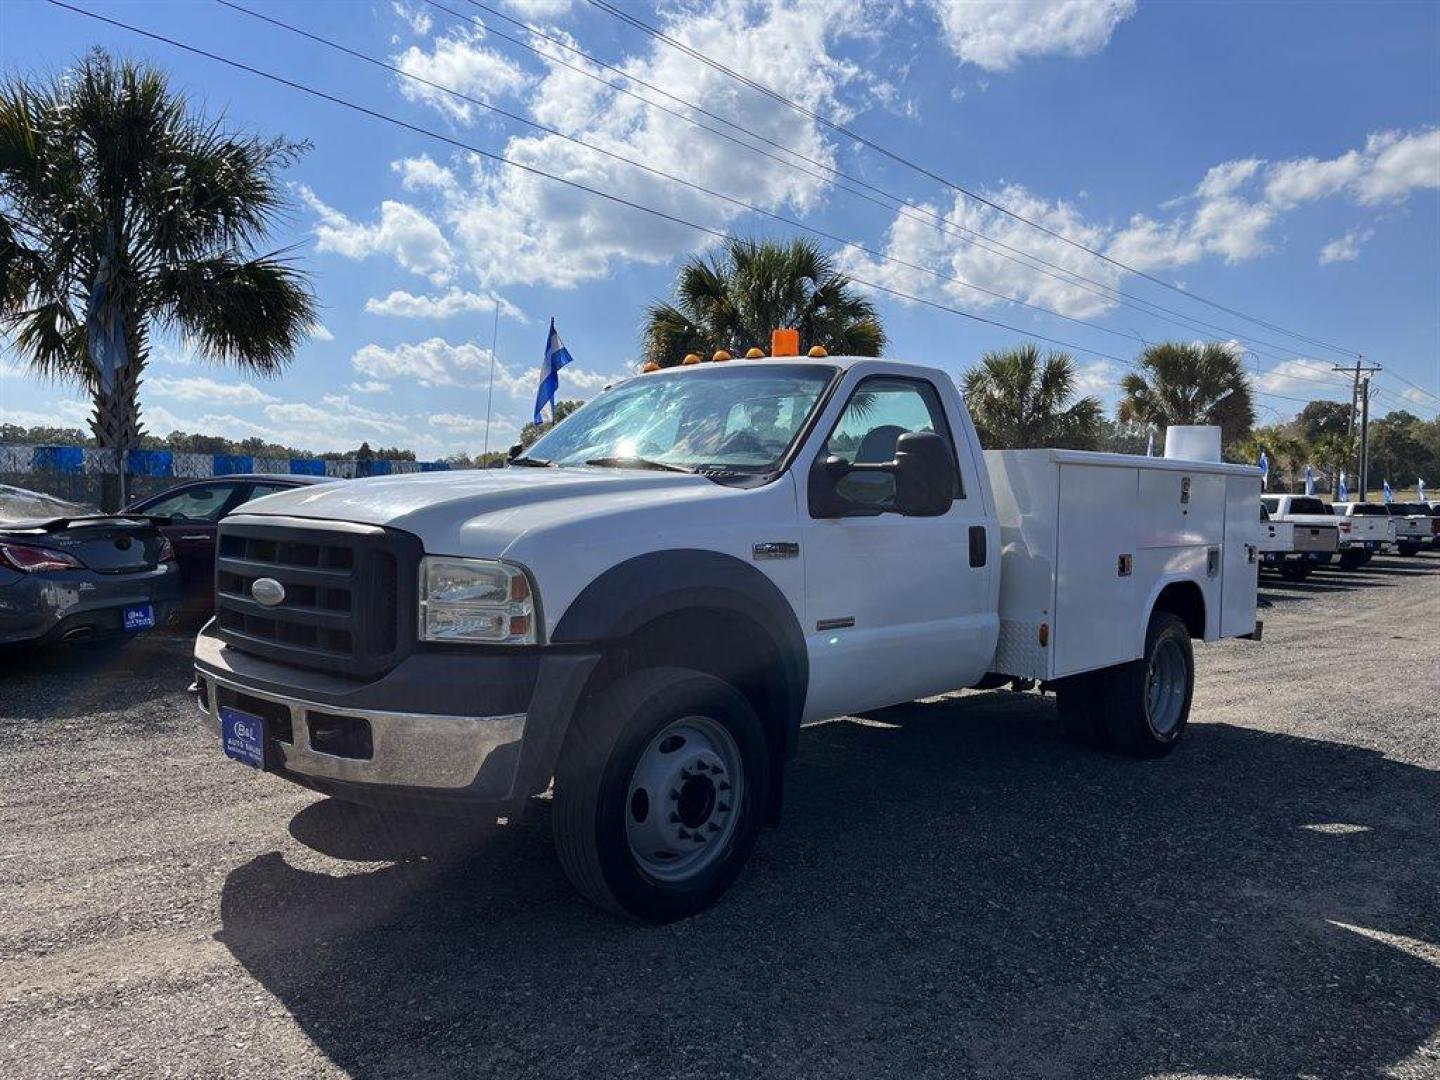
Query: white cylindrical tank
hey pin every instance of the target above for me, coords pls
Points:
(1193, 442)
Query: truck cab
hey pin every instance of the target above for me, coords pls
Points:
(639, 612)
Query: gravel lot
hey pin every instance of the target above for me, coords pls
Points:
(957, 891)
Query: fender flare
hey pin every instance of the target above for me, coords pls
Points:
(647, 587)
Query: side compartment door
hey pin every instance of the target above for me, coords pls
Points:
(1241, 567)
(894, 608)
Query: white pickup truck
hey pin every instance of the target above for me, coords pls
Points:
(646, 606)
(1371, 528)
(1316, 536)
(1414, 526)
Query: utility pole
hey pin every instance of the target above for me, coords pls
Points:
(1361, 372)
(1365, 439)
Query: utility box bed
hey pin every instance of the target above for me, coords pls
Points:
(1089, 541)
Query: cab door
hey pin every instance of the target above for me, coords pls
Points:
(896, 607)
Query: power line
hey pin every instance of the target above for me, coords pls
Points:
(502, 159)
(646, 28)
(620, 200)
(888, 201)
(671, 177)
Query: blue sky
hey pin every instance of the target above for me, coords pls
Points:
(1283, 160)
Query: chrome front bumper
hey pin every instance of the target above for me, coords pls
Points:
(408, 750)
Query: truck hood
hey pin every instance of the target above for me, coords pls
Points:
(503, 504)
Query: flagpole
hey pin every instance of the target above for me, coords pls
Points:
(490, 397)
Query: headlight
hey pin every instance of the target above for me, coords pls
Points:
(477, 600)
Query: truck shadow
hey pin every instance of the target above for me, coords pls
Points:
(956, 891)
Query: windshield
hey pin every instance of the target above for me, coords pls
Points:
(721, 419)
(1369, 510)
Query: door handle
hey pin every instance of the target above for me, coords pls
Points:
(977, 545)
(196, 536)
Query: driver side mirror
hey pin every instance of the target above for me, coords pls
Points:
(919, 482)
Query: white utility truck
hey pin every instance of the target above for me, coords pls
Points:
(645, 607)
(1277, 539)
(1317, 535)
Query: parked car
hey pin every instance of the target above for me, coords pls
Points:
(1371, 529)
(1435, 523)
(1317, 535)
(1413, 527)
(647, 604)
(188, 513)
(83, 577)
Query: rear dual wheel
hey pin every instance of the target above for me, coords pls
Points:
(1141, 708)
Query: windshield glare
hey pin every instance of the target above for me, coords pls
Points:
(724, 418)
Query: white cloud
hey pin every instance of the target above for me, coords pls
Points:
(201, 388)
(436, 362)
(430, 363)
(1345, 248)
(1301, 378)
(1099, 378)
(458, 62)
(510, 227)
(321, 332)
(417, 18)
(1229, 214)
(1391, 165)
(369, 386)
(539, 10)
(454, 302)
(404, 233)
(996, 34)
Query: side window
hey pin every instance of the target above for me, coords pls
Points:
(203, 502)
(260, 490)
(879, 411)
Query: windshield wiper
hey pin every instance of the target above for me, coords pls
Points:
(531, 462)
(637, 463)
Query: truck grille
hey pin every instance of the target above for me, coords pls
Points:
(347, 590)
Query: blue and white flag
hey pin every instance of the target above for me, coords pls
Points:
(1150, 446)
(1387, 493)
(1309, 480)
(556, 357)
(1264, 469)
(1420, 489)
(1342, 493)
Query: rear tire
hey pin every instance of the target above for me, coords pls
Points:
(1350, 560)
(1147, 701)
(651, 767)
(1295, 571)
(1409, 549)
(1080, 705)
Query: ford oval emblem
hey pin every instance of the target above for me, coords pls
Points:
(267, 591)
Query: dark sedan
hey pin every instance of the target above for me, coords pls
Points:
(188, 514)
(84, 577)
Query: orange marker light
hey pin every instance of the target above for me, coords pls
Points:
(650, 366)
(785, 343)
(691, 358)
(817, 351)
(720, 356)
(753, 353)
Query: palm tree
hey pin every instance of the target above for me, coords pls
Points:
(1189, 384)
(121, 211)
(733, 301)
(1020, 399)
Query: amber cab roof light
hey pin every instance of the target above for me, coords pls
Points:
(785, 342)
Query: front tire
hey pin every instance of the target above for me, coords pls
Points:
(1147, 701)
(1295, 570)
(660, 793)
(1351, 560)
(1409, 549)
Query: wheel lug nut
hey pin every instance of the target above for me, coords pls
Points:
(713, 827)
(684, 834)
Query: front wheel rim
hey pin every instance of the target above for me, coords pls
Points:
(684, 799)
(1166, 681)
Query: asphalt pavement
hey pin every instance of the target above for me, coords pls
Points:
(956, 891)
